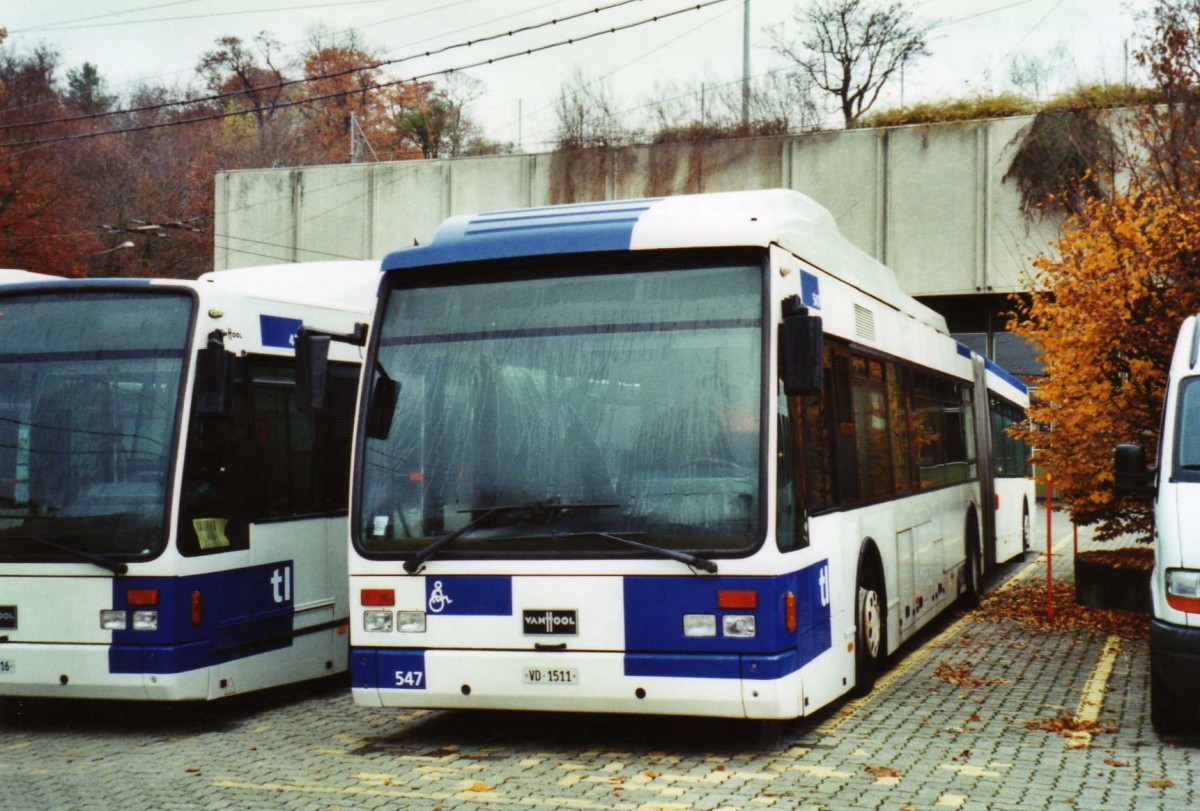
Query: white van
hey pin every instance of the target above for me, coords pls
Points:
(1175, 583)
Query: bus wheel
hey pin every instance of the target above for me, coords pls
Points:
(1167, 713)
(974, 569)
(1026, 533)
(871, 634)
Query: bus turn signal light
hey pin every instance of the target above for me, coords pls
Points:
(383, 597)
(731, 598)
(789, 611)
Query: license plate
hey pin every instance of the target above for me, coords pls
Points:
(7, 666)
(551, 675)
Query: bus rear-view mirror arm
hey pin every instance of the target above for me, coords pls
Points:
(1131, 476)
(214, 372)
(312, 363)
(801, 356)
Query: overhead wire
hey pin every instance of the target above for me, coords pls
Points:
(377, 86)
(321, 77)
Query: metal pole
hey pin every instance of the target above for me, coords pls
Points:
(1049, 550)
(746, 66)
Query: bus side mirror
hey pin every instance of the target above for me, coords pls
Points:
(1131, 477)
(214, 373)
(312, 370)
(801, 355)
(382, 407)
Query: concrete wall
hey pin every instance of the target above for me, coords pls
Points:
(929, 201)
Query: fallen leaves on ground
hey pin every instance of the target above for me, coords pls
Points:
(1129, 557)
(1063, 725)
(882, 771)
(960, 676)
(1025, 604)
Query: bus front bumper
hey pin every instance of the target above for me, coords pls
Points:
(730, 686)
(40, 670)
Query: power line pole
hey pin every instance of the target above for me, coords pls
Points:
(746, 65)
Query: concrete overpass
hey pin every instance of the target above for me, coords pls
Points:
(928, 200)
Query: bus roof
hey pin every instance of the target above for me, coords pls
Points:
(346, 284)
(788, 218)
(12, 276)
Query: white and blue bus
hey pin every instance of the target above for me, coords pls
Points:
(692, 455)
(172, 527)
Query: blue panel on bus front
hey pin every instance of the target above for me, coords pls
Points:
(388, 668)
(577, 228)
(465, 595)
(279, 331)
(243, 612)
(654, 609)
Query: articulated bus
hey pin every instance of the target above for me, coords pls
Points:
(692, 455)
(171, 526)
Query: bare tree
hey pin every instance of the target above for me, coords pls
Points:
(851, 48)
(1033, 74)
(587, 115)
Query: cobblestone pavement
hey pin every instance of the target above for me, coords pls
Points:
(945, 728)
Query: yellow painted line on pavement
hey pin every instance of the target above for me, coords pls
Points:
(847, 710)
(1092, 700)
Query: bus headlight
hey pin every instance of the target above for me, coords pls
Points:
(145, 620)
(738, 625)
(377, 622)
(699, 624)
(1183, 590)
(410, 622)
(112, 620)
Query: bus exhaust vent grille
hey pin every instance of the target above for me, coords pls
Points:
(864, 323)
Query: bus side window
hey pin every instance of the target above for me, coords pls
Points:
(901, 421)
(213, 504)
(845, 451)
(789, 486)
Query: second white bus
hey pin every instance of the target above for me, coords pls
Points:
(171, 524)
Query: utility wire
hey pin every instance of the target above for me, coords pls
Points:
(322, 77)
(53, 27)
(378, 86)
(56, 27)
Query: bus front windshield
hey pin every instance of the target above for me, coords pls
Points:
(89, 383)
(588, 406)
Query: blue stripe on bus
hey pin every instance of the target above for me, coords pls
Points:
(1004, 375)
(244, 612)
(654, 642)
(537, 232)
(995, 369)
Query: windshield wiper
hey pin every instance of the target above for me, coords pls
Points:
(694, 561)
(116, 567)
(537, 510)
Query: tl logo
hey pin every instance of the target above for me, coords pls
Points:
(281, 584)
(823, 581)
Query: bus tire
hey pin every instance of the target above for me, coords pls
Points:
(1026, 529)
(1167, 713)
(870, 620)
(973, 572)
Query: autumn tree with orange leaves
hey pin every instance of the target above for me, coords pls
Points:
(1110, 298)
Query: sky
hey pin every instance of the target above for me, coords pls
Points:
(160, 42)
